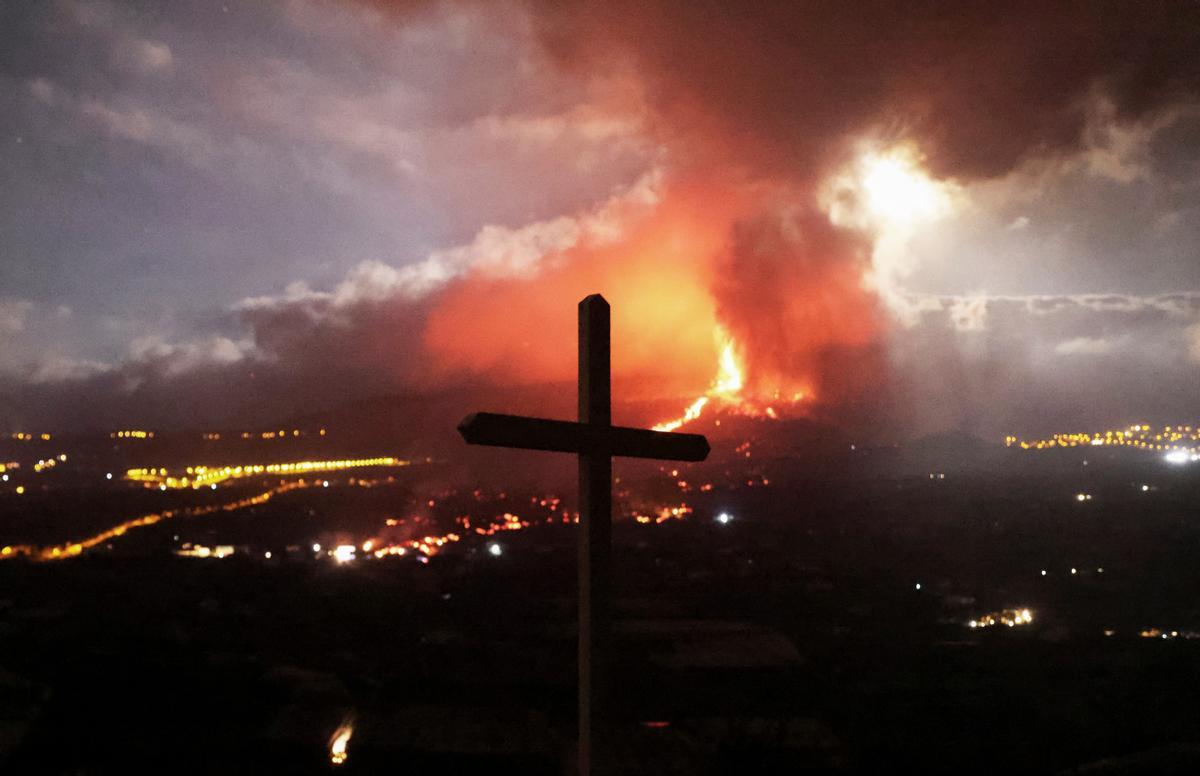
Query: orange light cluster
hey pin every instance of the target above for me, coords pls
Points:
(282, 433)
(1140, 436)
(1008, 617)
(189, 550)
(46, 464)
(508, 522)
(132, 434)
(426, 545)
(1165, 633)
(663, 514)
(22, 436)
(203, 476)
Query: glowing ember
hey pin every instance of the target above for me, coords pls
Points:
(339, 742)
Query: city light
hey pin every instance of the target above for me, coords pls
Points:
(201, 551)
(495, 550)
(724, 518)
(76, 548)
(24, 436)
(1008, 617)
(201, 476)
(1179, 444)
(132, 434)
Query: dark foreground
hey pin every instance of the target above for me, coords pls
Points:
(791, 639)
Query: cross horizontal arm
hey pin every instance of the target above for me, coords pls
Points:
(564, 436)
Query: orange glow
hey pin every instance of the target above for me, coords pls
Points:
(656, 276)
(339, 742)
(726, 391)
(726, 294)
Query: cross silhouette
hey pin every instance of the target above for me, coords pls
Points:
(596, 441)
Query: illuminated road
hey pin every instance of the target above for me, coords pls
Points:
(76, 548)
(196, 477)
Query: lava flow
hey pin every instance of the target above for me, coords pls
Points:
(726, 391)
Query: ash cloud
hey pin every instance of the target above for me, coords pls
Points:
(670, 154)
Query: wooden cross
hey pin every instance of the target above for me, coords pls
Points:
(596, 441)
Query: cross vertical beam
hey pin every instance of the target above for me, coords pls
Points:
(595, 529)
(596, 440)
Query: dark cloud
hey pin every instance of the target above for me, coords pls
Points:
(983, 86)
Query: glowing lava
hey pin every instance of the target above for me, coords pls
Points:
(726, 390)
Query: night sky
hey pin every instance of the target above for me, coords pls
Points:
(982, 219)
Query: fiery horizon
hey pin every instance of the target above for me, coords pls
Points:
(847, 214)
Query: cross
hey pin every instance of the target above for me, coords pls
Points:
(596, 441)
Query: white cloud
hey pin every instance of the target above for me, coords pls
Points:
(174, 359)
(13, 316)
(1194, 350)
(60, 369)
(149, 127)
(1086, 346)
(148, 57)
(969, 313)
(43, 90)
(495, 251)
